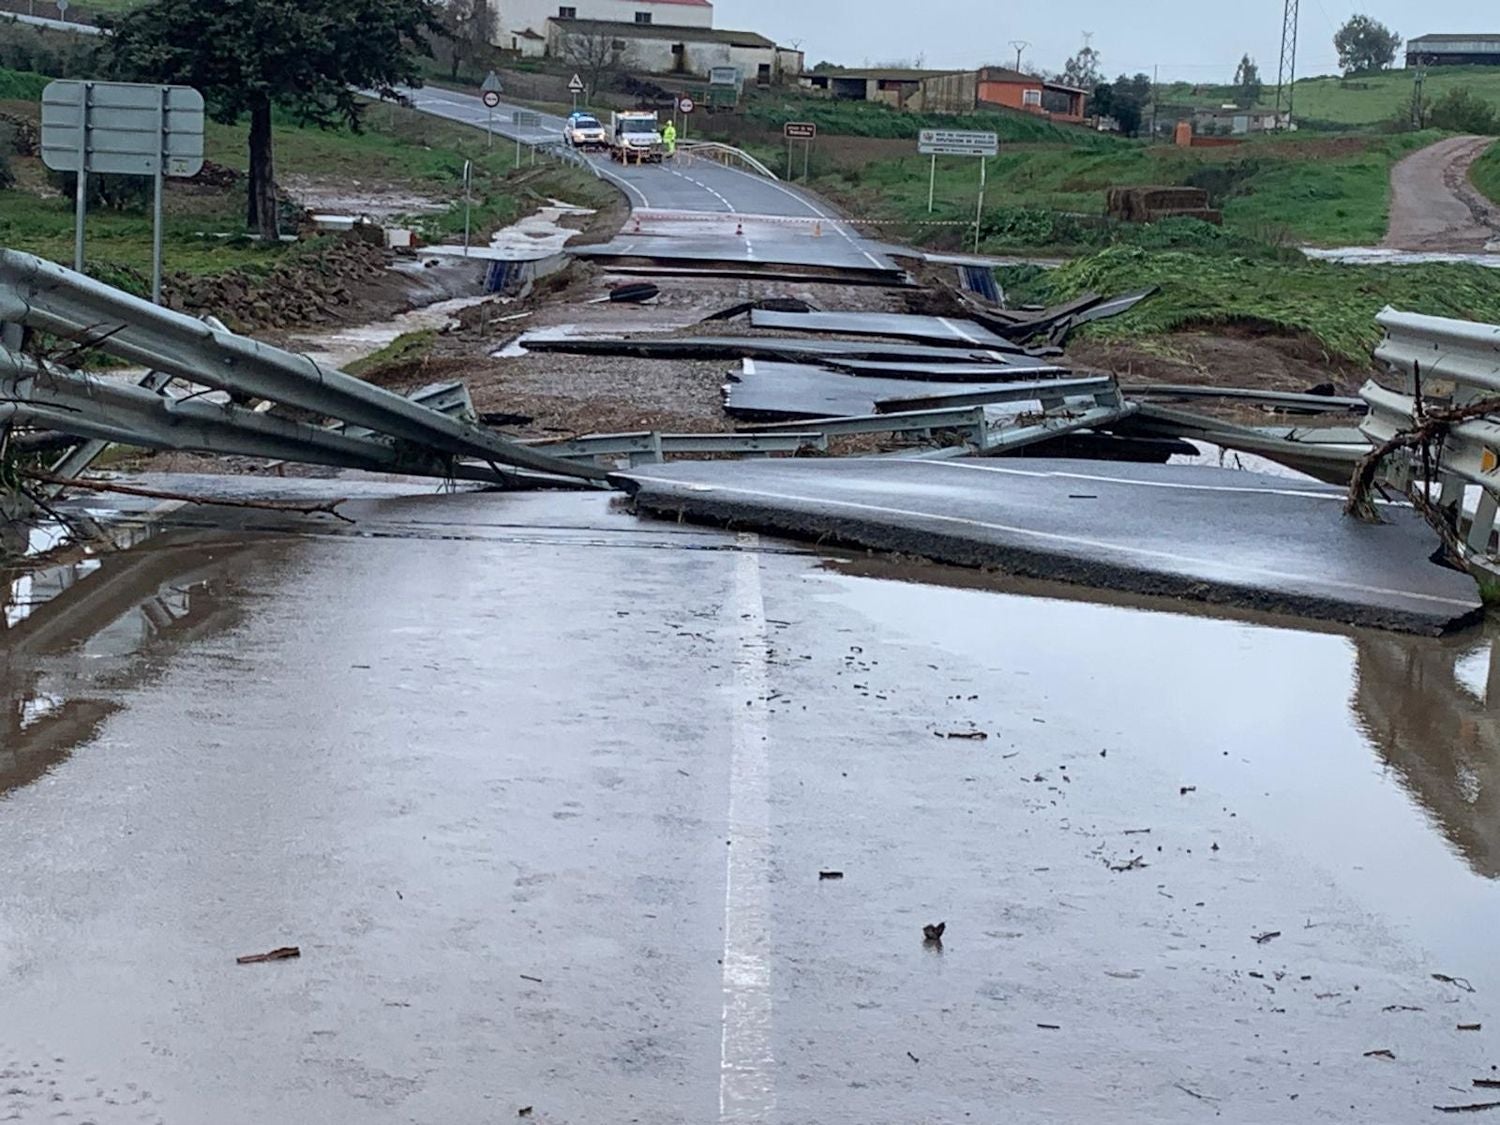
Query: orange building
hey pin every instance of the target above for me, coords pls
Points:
(1014, 90)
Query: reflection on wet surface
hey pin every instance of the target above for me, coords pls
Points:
(81, 616)
(1435, 727)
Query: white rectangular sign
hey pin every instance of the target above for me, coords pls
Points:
(130, 129)
(957, 142)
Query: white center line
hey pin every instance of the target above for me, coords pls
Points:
(747, 1089)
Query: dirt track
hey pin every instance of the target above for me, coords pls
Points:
(1434, 207)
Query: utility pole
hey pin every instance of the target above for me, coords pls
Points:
(1286, 71)
(1155, 81)
(1020, 45)
(1418, 110)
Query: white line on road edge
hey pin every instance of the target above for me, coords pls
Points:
(1055, 537)
(747, 1088)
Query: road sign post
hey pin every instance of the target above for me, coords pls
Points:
(489, 93)
(806, 132)
(575, 87)
(126, 129)
(468, 196)
(958, 142)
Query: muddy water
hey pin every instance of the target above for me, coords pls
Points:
(476, 754)
(1370, 756)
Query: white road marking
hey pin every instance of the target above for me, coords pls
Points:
(1305, 493)
(1070, 540)
(958, 330)
(818, 211)
(747, 1088)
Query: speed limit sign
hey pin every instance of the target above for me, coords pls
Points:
(491, 99)
(685, 104)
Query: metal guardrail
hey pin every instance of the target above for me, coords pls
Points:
(1443, 364)
(983, 435)
(724, 154)
(45, 296)
(651, 448)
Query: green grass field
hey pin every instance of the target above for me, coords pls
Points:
(1327, 191)
(1486, 173)
(204, 227)
(871, 119)
(21, 85)
(1286, 293)
(1363, 100)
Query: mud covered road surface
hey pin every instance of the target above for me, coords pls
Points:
(614, 820)
(1434, 206)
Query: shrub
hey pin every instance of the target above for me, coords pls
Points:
(1462, 112)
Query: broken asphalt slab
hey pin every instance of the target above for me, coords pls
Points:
(1203, 534)
(770, 391)
(924, 329)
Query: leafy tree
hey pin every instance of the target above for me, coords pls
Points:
(1461, 111)
(1247, 84)
(1082, 70)
(1365, 44)
(1127, 99)
(305, 56)
(469, 27)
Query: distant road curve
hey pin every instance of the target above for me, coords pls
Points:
(1435, 207)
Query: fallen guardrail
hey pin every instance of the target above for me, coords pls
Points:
(49, 298)
(1437, 437)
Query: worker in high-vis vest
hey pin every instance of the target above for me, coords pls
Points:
(669, 138)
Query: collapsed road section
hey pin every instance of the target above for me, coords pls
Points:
(1211, 535)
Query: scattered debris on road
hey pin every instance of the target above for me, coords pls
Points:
(830, 874)
(1269, 935)
(1456, 982)
(1382, 1053)
(933, 932)
(285, 953)
(1472, 1107)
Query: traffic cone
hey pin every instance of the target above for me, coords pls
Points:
(637, 224)
(817, 230)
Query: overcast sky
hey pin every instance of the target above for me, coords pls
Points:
(1186, 38)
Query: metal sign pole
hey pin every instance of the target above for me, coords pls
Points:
(984, 164)
(806, 160)
(489, 128)
(81, 185)
(932, 184)
(159, 190)
(468, 167)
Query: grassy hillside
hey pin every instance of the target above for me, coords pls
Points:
(1359, 101)
(401, 151)
(872, 119)
(1330, 191)
(1486, 173)
(1282, 293)
(21, 85)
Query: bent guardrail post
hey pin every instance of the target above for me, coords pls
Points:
(109, 411)
(47, 296)
(1442, 428)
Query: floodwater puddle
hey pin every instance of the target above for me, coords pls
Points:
(81, 615)
(1372, 757)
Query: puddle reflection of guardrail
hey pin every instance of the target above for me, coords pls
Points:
(76, 621)
(1439, 732)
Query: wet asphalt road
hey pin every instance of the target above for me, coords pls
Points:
(693, 208)
(544, 793)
